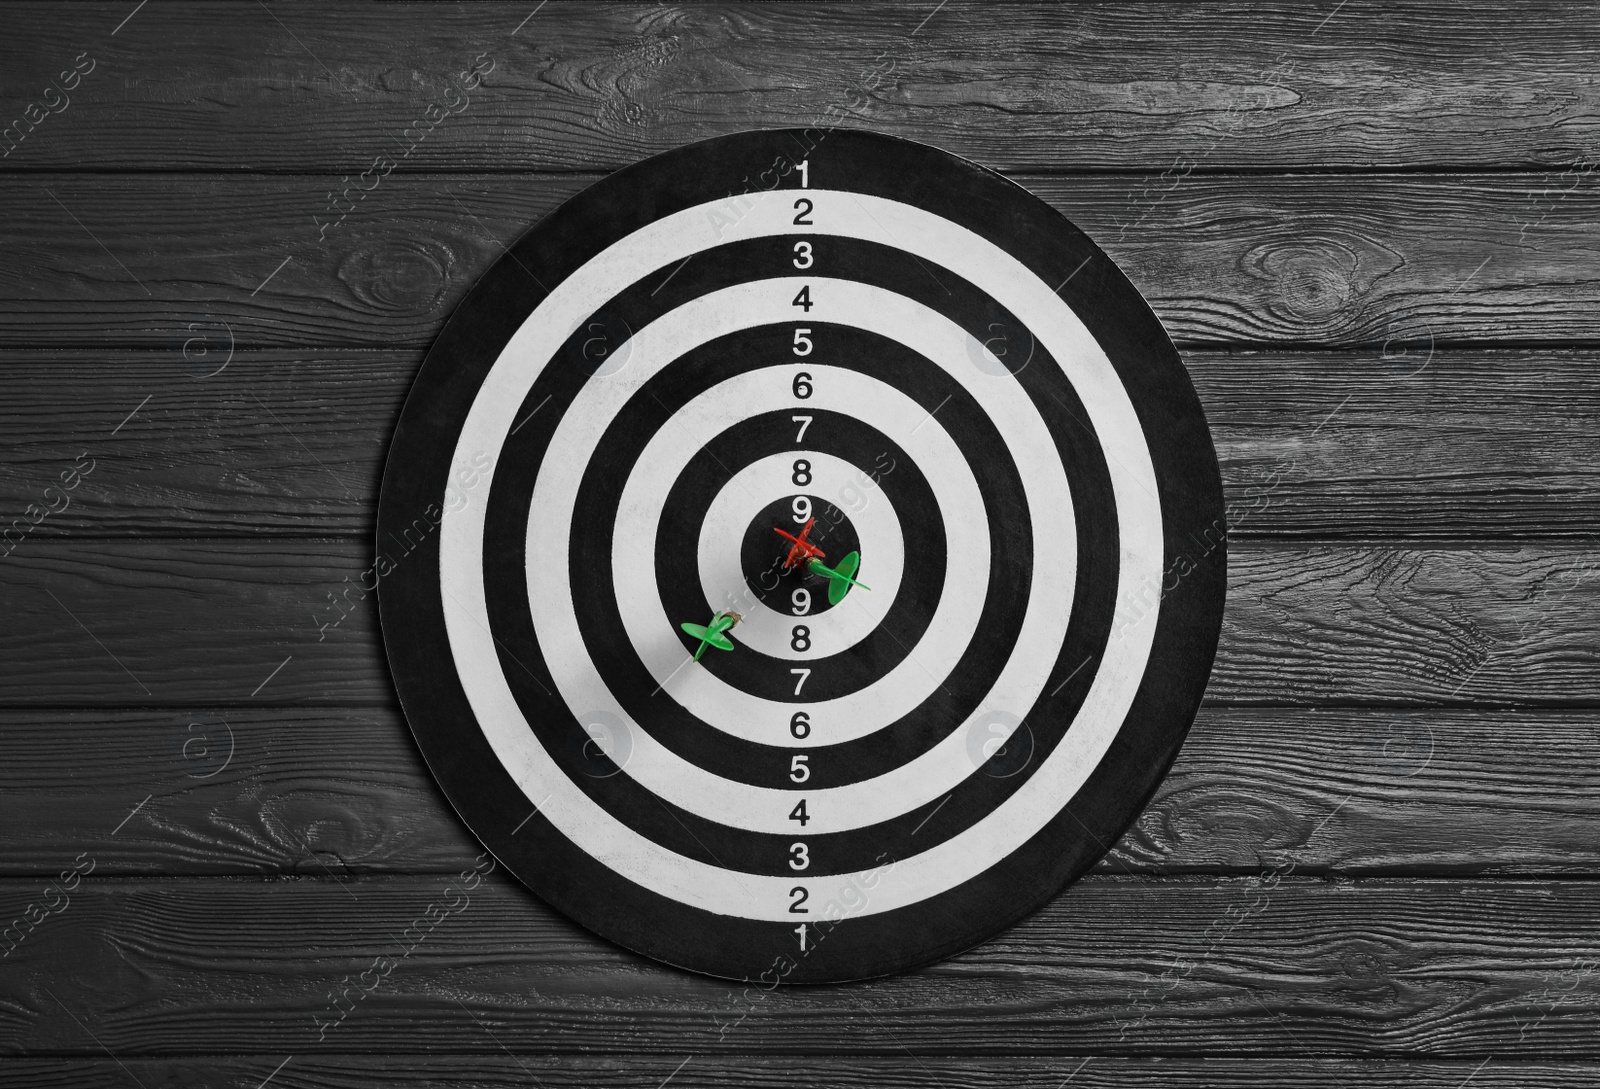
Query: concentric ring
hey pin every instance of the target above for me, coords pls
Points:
(953, 701)
(922, 875)
(721, 563)
(700, 690)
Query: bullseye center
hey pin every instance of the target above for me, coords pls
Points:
(796, 591)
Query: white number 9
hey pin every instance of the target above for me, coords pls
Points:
(802, 508)
(802, 601)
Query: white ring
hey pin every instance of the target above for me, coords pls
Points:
(694, 428)
(767, 630)
(653, 633)
(1117, 675)
(765, 809)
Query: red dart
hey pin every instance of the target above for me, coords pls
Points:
(802, 550)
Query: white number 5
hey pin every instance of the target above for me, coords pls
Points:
(798, 771)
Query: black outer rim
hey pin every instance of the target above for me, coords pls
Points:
(1189, 479)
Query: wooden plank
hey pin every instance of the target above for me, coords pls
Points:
(1415, 445)
(1312, 445)
(1391, 263)
(1364, 792)
(497, 1070)
(225, 790)
(256, 442)
(213, 622)
(241, 260)
(1149, 86)
(1441, 969)
(320, 791)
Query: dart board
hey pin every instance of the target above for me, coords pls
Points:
(801, 555)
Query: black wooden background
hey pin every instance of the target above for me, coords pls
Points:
(1372, 231)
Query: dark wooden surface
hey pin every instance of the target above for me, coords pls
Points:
(1374, 235)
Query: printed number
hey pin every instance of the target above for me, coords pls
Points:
(801, 930)
(802, 252)
(803, 300)
(802, 472)
(804, 422)
(799, 857)
(802, 674)
(800, 639)
(802, 386)
(798, 813)
(800, 213)
(802, 601)
(800, 896)
(805, 173)
(802, 344)
(800, 726)
(802, 508)
(799, 770)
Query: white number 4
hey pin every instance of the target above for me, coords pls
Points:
(802, 674)
(804, 422)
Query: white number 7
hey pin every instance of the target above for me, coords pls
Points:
(804, 422)
(802, 674)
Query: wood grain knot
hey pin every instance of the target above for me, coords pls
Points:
(1368, 969)
(398, 276)
(1316, 279)
(637, 76)
(1207, 812)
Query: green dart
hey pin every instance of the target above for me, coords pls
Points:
(840, 578)
(712, 634)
